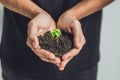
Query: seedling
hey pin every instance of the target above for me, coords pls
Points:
(56, 33)
(56, 41)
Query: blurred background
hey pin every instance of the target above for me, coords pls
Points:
(109, 65)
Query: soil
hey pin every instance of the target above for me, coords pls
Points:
(57, 46)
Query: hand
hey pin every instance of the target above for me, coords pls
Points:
(40, 24)
(71, 25)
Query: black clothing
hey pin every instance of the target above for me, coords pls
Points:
(87, 74)
(18, 58)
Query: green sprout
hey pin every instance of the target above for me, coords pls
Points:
(56, 33)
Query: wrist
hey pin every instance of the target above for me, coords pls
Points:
(72, 13)
(36, 12)
(39, 13)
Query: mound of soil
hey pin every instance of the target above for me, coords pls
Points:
(57, 46)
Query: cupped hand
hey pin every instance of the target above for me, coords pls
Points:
(40, 24)
(71, 25)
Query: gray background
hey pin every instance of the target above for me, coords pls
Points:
(109, 45)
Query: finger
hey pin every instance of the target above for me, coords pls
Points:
(35, 42)
(64, 63)
(74, 51)
(70, 54)
(28, 43)
(44, 53)
(44, 59)
(77, 33)
(32, 34)
(55, 61)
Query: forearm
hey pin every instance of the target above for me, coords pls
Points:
(87, 7)
(23, 7)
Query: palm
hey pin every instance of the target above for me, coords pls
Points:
(71, 25)
(38, 26)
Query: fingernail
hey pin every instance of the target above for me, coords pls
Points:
(78, 44)
(61, 69)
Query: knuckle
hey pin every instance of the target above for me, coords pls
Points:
(84, 40)
(37, 52)
(30, 36)
(27, 43)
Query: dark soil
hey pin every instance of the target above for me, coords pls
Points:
(57, 46)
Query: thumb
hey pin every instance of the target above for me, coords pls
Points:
(76, 32)
(34, 42)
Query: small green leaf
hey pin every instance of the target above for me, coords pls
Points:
(56, 33)
(53, 34)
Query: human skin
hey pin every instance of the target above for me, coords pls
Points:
(41, 22)
(69, 22)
